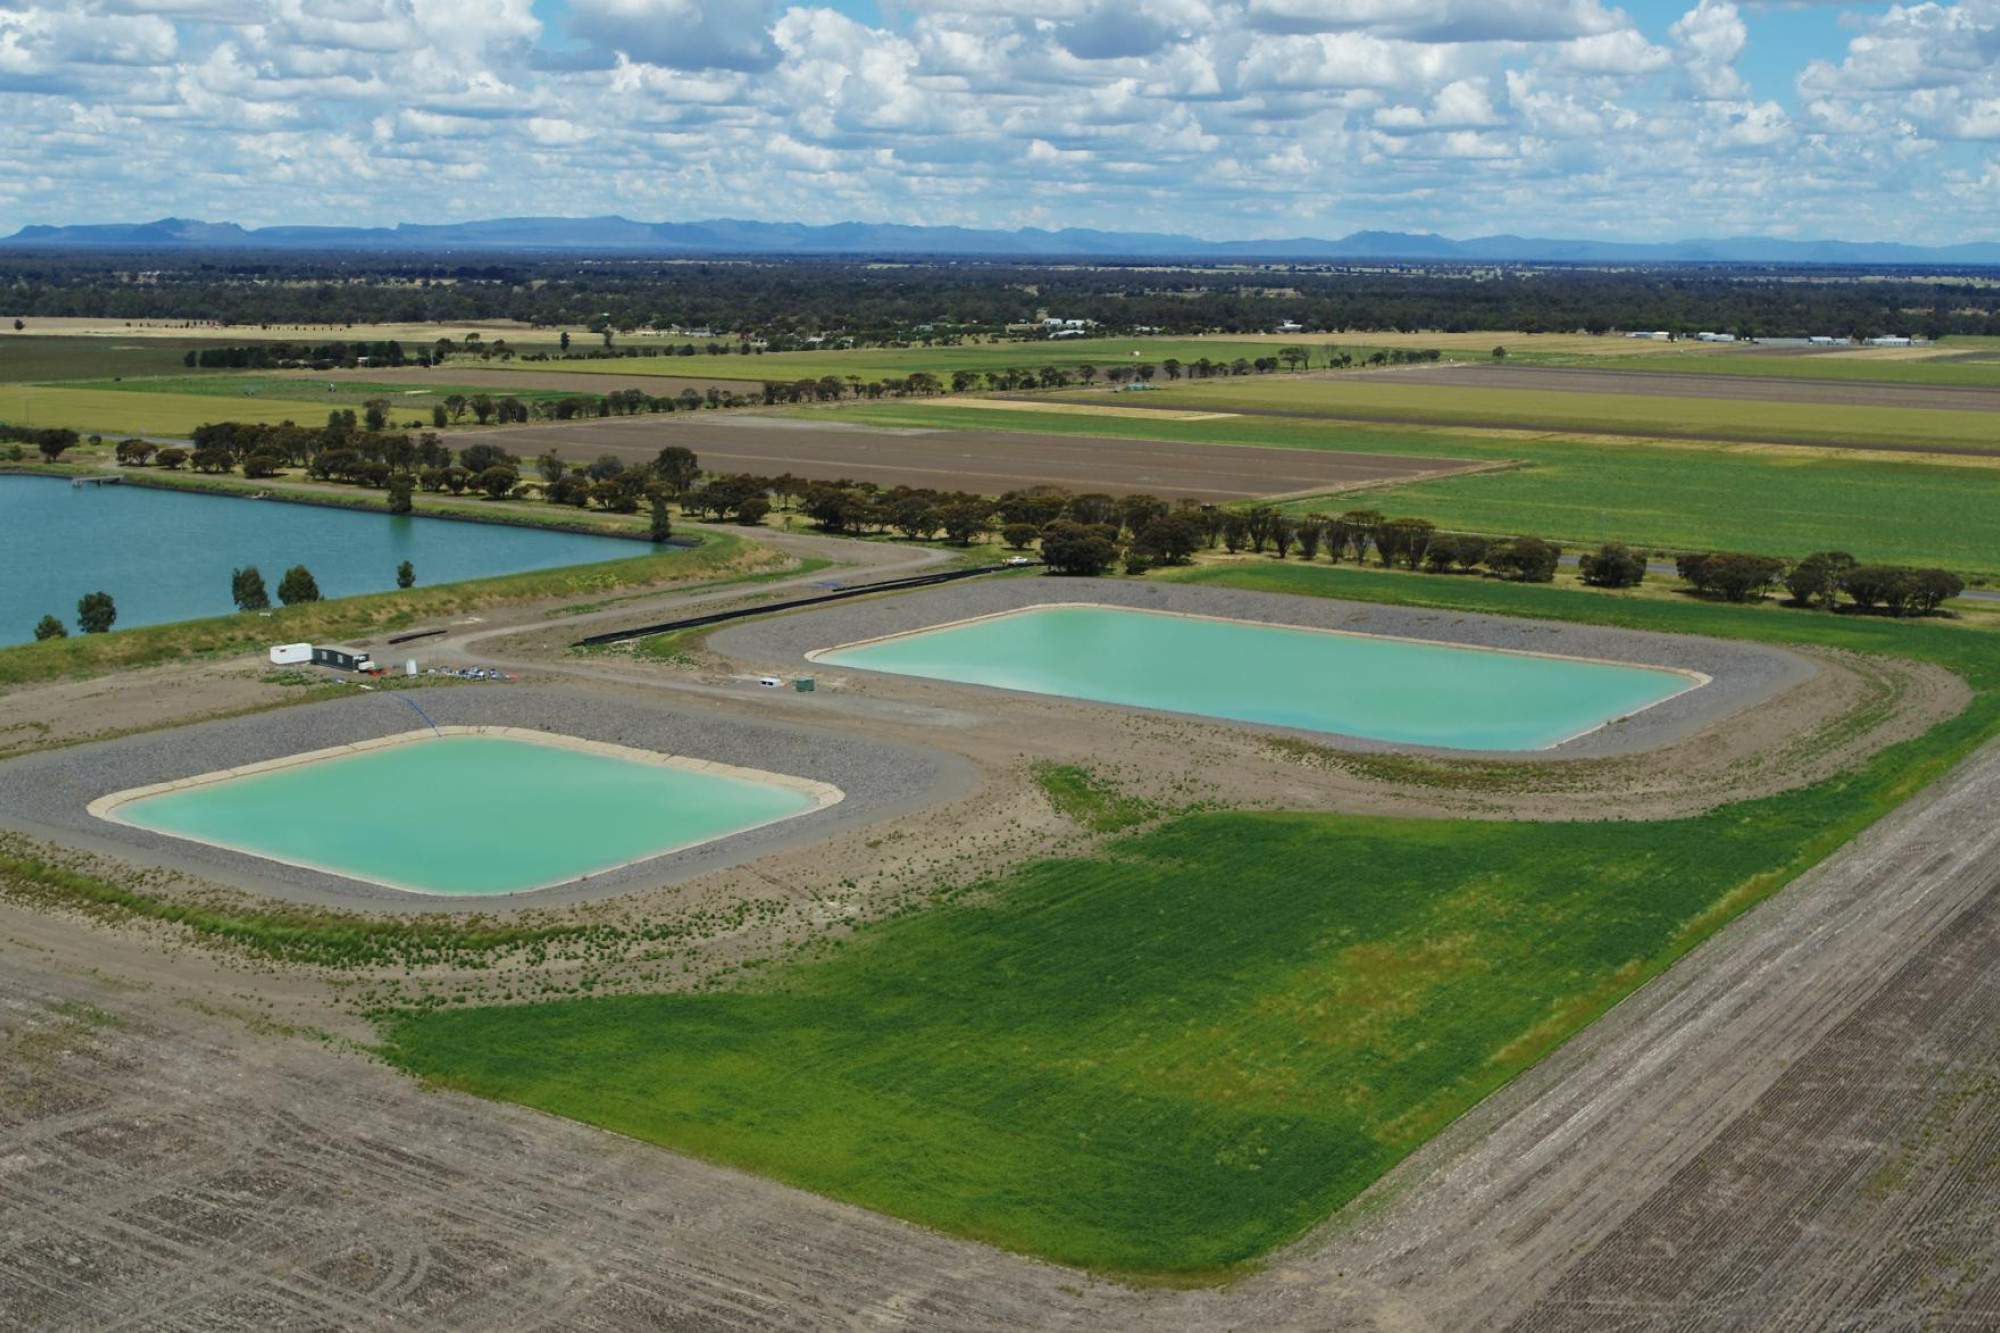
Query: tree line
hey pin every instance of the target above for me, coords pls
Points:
(778, 299)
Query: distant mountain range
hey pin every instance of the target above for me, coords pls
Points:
(727, 236)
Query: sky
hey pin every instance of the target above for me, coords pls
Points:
(1223, 119)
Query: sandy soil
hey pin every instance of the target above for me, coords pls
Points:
(988, 462)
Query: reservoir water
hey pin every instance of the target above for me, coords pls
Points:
(167, 555)
(1347, 684)
(467, 814)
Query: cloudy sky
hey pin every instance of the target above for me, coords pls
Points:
(1220, 118)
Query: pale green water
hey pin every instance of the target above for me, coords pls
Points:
(1353, 685)
(466, 814)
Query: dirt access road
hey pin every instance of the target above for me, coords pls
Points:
(986, 462)
(1797, 1127)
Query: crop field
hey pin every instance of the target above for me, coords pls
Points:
(115, 411)
(1649, 382)
(335, 388)
(1174, 1057)
(1414, 399)
(27, 359)
(1867, 366)
(1665, 496)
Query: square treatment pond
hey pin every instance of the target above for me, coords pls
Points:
(467, 810)
(1401, 691)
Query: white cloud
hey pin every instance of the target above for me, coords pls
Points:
(1225, 117)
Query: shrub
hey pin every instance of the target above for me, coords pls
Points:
(1613, 565)
(48, 627)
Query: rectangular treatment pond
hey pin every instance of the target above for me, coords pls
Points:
(1399, 691)
(467, 810)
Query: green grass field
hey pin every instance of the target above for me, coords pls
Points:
(335, 388)
(1411, 398)
(25, 358)
(1175, 1057)
(1967, 374)
(883, 363)
(114, 410)
(1785, 502)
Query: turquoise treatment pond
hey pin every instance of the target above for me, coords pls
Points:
(468, 814)
(1382, 689)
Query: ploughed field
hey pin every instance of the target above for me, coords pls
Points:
(984, 462)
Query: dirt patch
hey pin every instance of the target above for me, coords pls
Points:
(986, 462)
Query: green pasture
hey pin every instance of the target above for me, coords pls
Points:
(25, 358)
(1981, 374)
(1413, 398)
(113, 410)
(1174, 1057)
(333, 389)
(1664, 496)
(876, 363)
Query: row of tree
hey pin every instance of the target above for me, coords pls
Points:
(1821, 580)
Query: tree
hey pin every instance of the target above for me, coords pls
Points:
(663, 526)
(260, 465)
(1815, 580)
(48, 627)
(1527, 559)
(1019, 536)
(246, 589)
(1171, 538)
(54, 443)
(297, 586)
(1613, 565)
(677, 468)
(483, 407)
(455, 405)
(400, 498)
(406, 575)
(95, 613)
(171, 457)
(1735, 576)
(965, 521)
(565, 340)
(1073, 548)
(497, 481)
(751, 511)
(439, 417)
(375, 412)
(1499, 354)
(1404, 541)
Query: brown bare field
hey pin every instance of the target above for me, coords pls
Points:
(1738, 388)
(987, 462)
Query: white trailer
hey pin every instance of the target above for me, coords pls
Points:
(291, 654)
